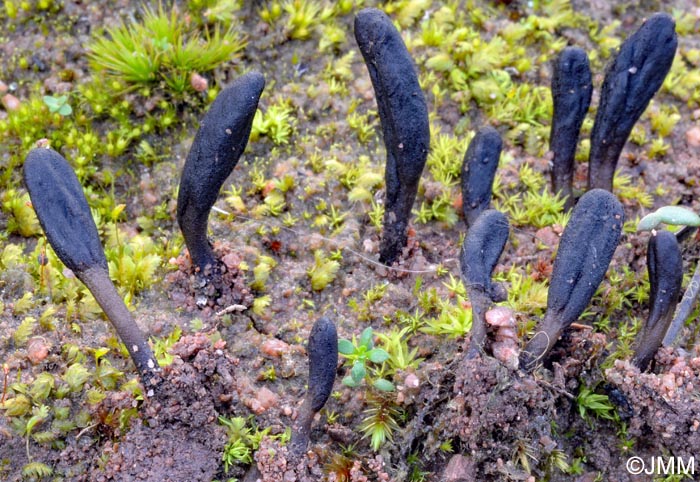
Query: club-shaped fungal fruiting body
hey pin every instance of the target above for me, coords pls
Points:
(630, 82)
(404, 117)
(665, 266)
(323, 362)
(217, 146)
(571, 96)
(65, 217)
(480, 252)
(585, 250)
(478, 171)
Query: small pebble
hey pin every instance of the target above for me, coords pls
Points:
(692, 136)
(198, 82)
(37, 350)
(10, 102)
(274, 347)
(500, 316)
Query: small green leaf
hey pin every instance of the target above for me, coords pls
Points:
(378, 355)
(675, 215)
(366, 338)
(383, 385)
(347, 381)
(345, 347)
(358, 371)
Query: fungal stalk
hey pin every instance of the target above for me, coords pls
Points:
(217, 147)
(65, 217)
(665, 266)
(478, 171)
(323, 361)
(404, 117)
(571, 96)
(631, 81)
(585, 250)
(480, 252)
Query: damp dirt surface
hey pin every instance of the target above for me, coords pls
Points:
(458, 418)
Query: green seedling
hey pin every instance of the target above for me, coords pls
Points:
(360, 353)
(665, 266)
(480, 252)
(478, 171)
(58, 104)
(571, 94)
(630, 82)
(404, 117)
(217, 146)
(585, 250)
(65, 217)
(674, 215)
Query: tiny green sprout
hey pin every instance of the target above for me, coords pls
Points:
(58, 104)
(323, 271)
(360, 353)
(674, 215)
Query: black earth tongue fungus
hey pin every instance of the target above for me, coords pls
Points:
(585, 250)
(217, 146)
(478, 171)
(323, 362)
(630, 82)
(571, 95)
(480, 252)
(404, 117)
(65, 217)
(665, 266)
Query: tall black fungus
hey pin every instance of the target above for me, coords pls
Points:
(480, 252)
(217, 146)
(584, 253)
(478, 171)
(571, 95)
(665, 266)
(65, 217)
(630, 82)
(404, 117)
(323, 361)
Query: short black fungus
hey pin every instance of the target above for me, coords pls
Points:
(480, 252)
(665, 266)
(217, 146)
(630, 82)
(404, 117)
(323, 362)
(478, 171)
(65, 217)
(571, 96)
(585, 250)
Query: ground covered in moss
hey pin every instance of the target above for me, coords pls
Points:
(298, 225)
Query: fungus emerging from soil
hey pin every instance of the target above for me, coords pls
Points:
(404, 117)
(571, 95)
(585, 250)
(480, 252)
(217, 146)
(478, 171)
(65, 217)
(323, 361)
(630, 82)
(665, 266)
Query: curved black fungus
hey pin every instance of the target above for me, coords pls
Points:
(404, 117)
(665, 266)
(323, 361)
(480, 252)
(571, 95)
(65, 217)
(478, 171)
(217, 146)
(630, 82)
(62, 210)
(584, 253)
